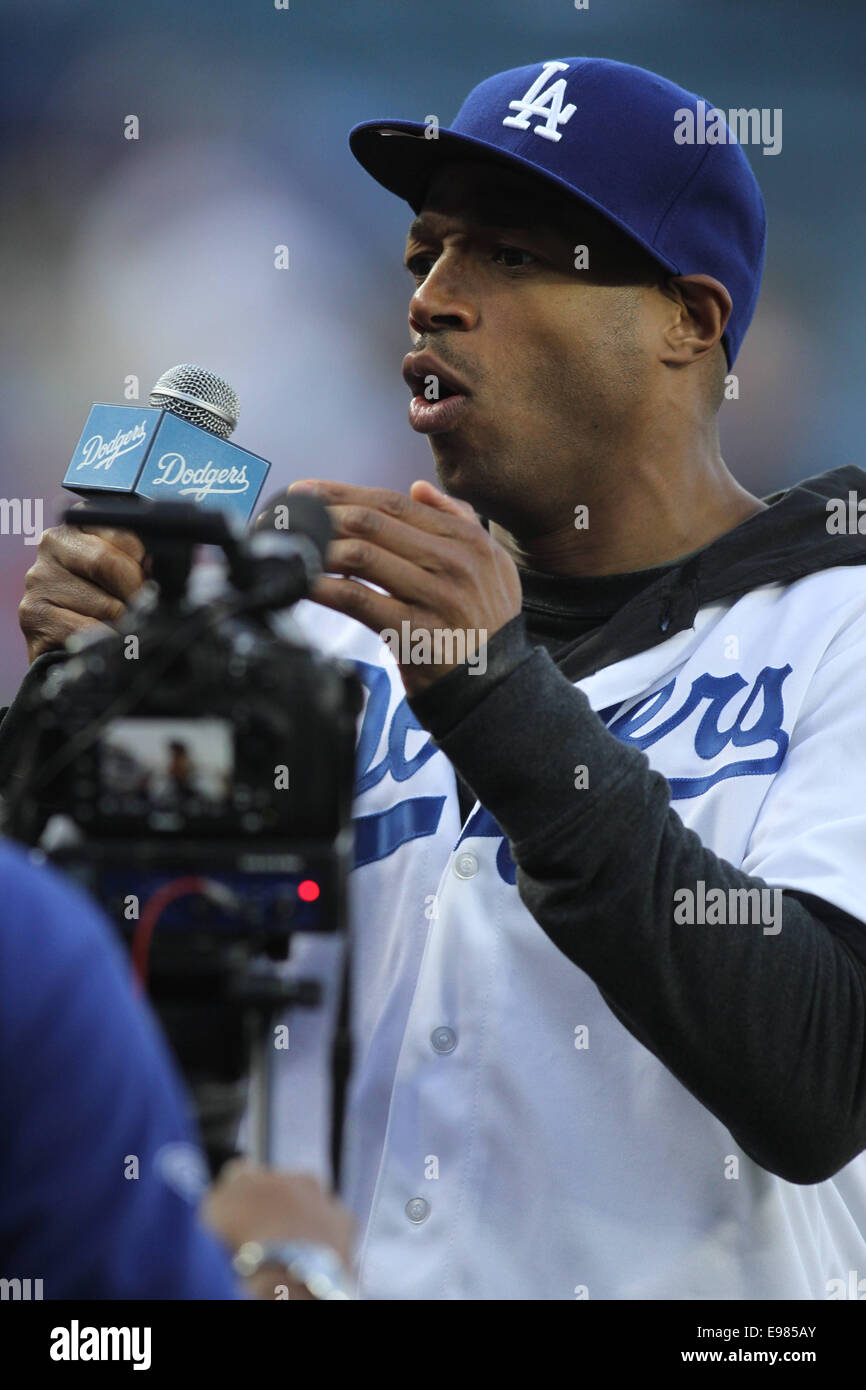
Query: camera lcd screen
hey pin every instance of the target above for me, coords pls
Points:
(168, 763)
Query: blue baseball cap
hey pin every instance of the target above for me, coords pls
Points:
(604, 132)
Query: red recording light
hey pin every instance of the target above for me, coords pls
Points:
(308, 891)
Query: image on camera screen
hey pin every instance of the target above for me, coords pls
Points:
(167, 763)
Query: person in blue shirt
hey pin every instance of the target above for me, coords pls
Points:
(101, 1170)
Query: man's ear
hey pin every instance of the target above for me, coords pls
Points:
(704, 307)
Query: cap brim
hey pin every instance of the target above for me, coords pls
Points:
(401, 157)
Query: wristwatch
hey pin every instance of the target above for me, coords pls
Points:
(317, 1267)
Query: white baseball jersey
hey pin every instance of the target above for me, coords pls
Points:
(507, 1137)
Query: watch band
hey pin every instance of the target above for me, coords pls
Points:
(317, 1267)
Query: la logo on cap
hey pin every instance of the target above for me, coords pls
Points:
(547, 103)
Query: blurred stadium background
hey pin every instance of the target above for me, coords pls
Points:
(124, 257)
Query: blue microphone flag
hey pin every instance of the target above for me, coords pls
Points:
(147, 452)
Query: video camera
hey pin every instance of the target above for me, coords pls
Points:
(193, 769)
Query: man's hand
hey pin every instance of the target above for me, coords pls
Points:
(81, 578)
(440, 568)
(252, 1203)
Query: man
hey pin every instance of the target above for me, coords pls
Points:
(656, 775)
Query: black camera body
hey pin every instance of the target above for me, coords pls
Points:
(236, 760)
(194, 771)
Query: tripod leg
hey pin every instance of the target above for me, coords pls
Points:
(260, 1093)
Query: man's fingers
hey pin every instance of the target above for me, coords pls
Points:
(417, 514)
(394, 540)
(78, 578)
(437, 552)
(375, 610)
(89, 556)
(411, 580)
(251, 1203)
(66, 591)
(127, 541)
(422, 491)
(49, 628)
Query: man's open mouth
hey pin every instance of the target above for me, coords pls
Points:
(426, 376)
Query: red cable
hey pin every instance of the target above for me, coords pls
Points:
(153, 910)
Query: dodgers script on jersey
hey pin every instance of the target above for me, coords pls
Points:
(489, 1154)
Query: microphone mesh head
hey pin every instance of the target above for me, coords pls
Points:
(199, 397)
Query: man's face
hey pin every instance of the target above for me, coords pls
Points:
(178, 762)
(553, 357)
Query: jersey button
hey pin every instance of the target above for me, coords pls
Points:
(417, 1210)
(443, 1039)
(466, 865)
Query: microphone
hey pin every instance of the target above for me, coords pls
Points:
(175, 449)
